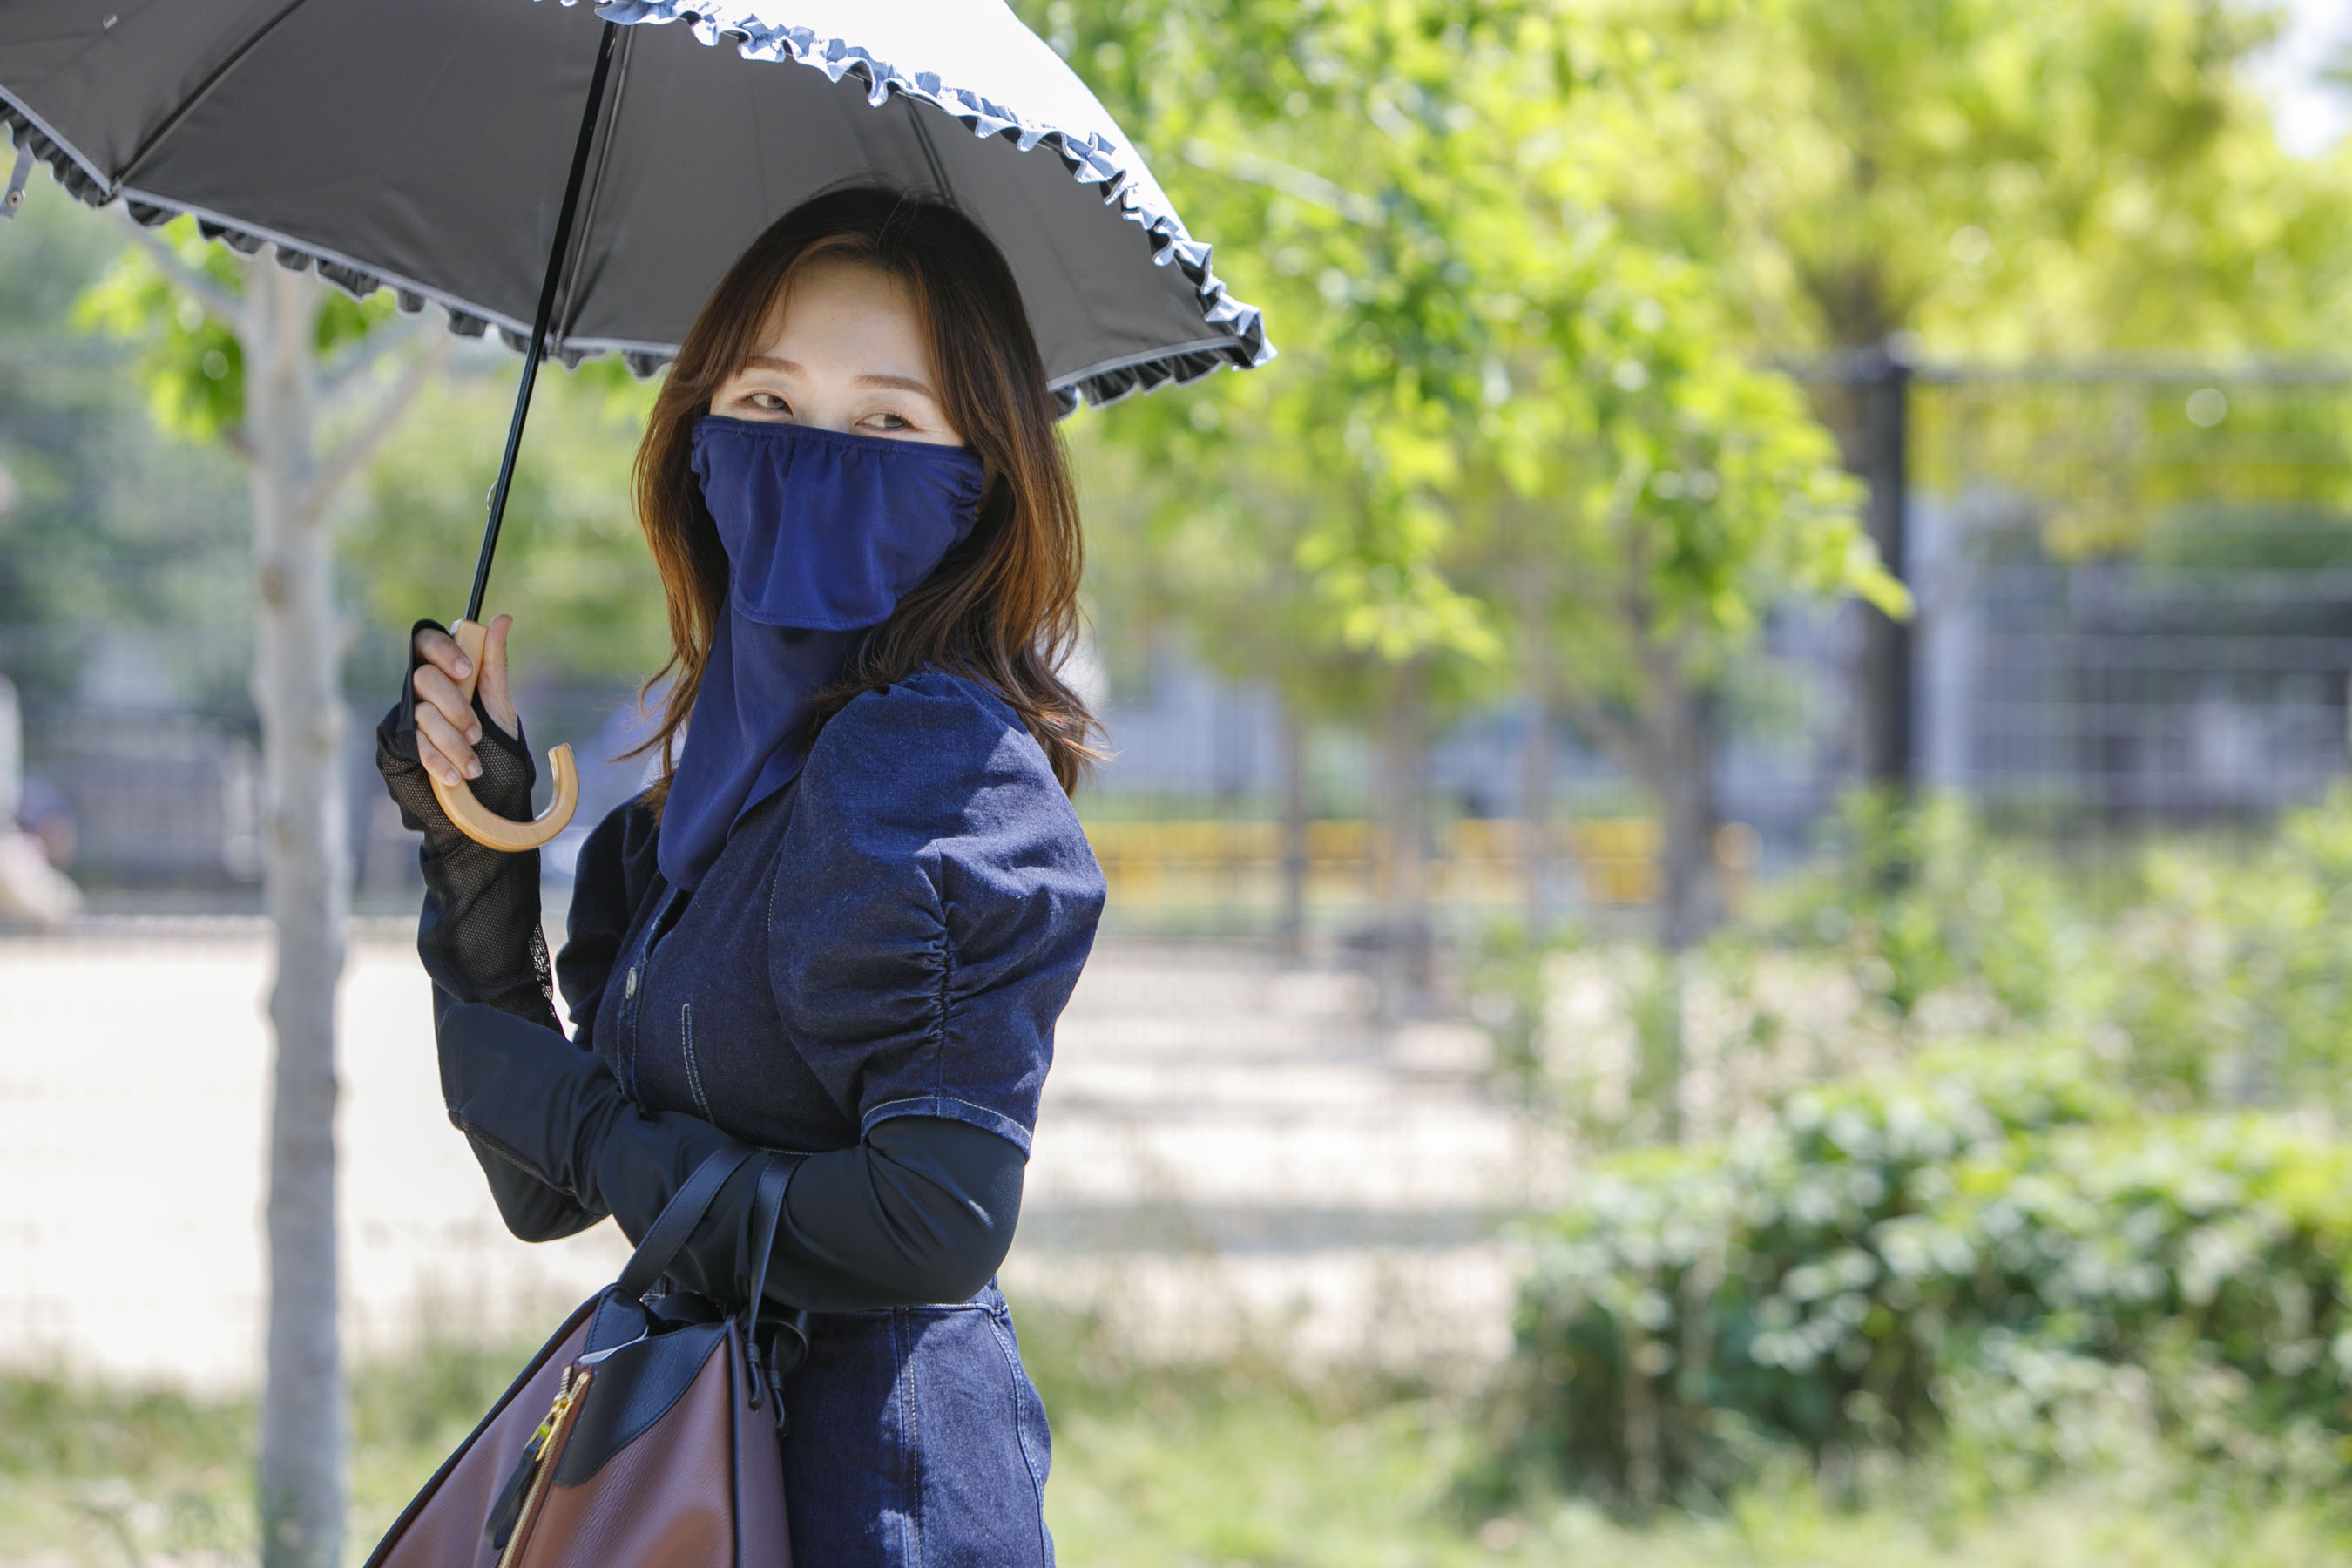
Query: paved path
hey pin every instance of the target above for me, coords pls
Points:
(1232, 1152)
(1229, 1151)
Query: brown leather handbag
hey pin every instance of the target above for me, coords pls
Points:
(644, 1435)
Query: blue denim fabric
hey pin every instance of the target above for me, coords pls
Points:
(893, 935)
(916, 1438)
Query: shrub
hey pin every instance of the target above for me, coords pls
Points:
(1981, 1227)
(2225, 967)
(1920, 899)
(2234, 973)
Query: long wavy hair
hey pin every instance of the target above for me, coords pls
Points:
(1001, 607)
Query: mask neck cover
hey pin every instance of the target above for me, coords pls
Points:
(826, 531)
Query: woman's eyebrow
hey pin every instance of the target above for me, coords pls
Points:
(873, 378)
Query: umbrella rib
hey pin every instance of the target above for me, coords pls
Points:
(930, 152)
(608, 128)
(591, 118)
(187, 104)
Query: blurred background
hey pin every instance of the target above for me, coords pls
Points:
(1731, 869)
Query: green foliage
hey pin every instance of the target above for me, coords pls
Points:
(1996, 175)
(573, 553)
(2214, 969)
(572, 563)
(190, 361)
(1965, 1243)
(1920, 899)
(1479, 357)
(1163, 1467)
(2235, 974)
(117, 531)
(1522, 260)
(107, 1470)
(53, 1425)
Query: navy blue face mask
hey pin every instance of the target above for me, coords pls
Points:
(824, 532)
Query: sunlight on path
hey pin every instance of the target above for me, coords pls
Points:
(1230, 1156)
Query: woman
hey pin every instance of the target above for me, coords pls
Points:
(843, 920)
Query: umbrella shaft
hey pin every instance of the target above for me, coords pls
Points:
(558, 255)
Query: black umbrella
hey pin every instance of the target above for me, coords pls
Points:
(580, 188)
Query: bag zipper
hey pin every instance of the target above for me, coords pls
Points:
(546, 1442)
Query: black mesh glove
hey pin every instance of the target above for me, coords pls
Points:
(921, 1210)
(480, 933)
(528, 1096)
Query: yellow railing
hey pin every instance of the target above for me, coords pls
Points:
(1475, 859)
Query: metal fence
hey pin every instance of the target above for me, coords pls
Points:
(2133, 612)
(2134, 586)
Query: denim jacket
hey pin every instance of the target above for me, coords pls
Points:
(893, 935)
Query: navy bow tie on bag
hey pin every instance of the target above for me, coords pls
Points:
(826, 531)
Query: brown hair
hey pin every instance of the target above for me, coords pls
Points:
(1001, 607)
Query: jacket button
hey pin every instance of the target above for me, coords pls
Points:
(629, 986)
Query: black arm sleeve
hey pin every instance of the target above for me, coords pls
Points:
(922, 1210)
(478, 934)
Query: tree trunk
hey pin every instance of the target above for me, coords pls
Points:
(1535, 741)
(1681, 725)
(1291, 759)
(306, 883)
(1405, 935)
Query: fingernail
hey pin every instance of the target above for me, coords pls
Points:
(473, 770)
(449, 776)
(473, 734)
(465, 667)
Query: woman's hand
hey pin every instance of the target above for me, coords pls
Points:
(446, 725)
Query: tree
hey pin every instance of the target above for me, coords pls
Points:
(1433, 195)
(269, 363)
(1988, 178)
(1510, 420)
(571, 550)
(117, 527)
(1999, 178)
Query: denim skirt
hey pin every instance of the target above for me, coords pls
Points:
(916, 1440)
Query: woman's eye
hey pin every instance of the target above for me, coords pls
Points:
(887, 421)
(768, 402)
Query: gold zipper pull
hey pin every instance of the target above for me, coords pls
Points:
(563, 1397)
(521, 1482)
(540, 1462)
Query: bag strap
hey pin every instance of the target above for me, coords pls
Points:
(767, 1217)
(678, 1219)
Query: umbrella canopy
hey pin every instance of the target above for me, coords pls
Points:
(424, 146)
(581, 187)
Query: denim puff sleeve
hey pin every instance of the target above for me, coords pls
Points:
(935, 901)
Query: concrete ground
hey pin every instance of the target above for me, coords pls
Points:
(1230, 1154)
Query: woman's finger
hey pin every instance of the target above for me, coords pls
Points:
(437, 765)
(497, 693)
(457, 755)
(438, 692)
(440, 650)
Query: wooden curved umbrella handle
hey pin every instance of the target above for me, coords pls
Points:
(479, 822)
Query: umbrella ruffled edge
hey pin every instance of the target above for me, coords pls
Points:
(1091, 160)
(1242, 343)
(358, 281)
